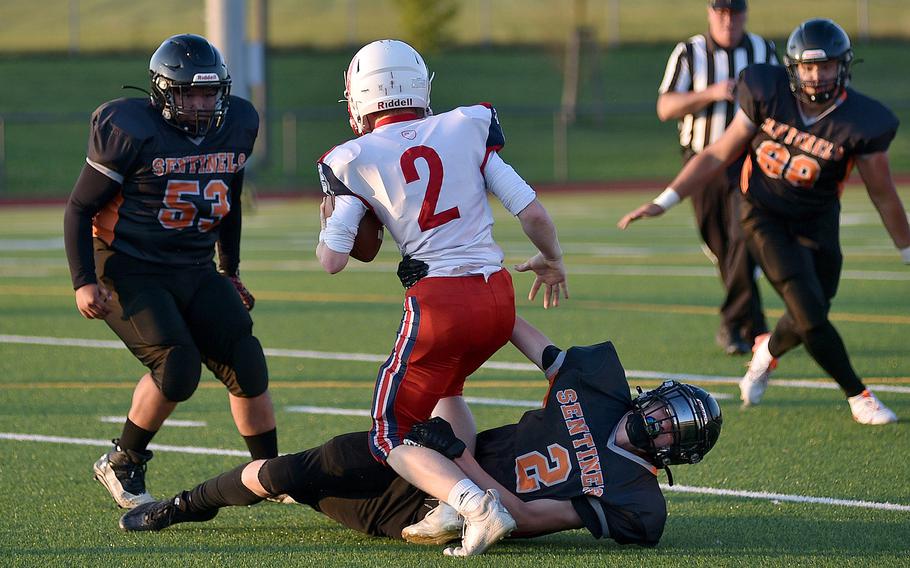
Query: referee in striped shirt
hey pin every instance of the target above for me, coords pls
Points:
(697, 90)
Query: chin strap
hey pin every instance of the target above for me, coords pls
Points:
(136, 88)
(669, 475)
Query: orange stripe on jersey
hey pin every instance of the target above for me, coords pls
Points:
(104, 222)
(744, 174)
(840, 185)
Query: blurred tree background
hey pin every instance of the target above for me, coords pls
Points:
(59, 59)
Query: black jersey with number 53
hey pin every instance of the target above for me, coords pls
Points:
(797, 165)
(175, 190)
(567, 451)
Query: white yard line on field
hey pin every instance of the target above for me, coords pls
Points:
(170, 422)
(498, 365)
(44, 266)
(761, 495)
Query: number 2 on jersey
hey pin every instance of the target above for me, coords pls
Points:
(533, 468)
(428, 218)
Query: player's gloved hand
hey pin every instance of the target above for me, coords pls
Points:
(245, 296)
(436, 434)
(905, 255)
(411, 270)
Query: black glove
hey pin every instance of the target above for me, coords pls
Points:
(245, 296)
(435, 434)
(411, 270)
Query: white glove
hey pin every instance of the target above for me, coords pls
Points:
(905, 255)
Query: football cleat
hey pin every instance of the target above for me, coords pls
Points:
(483, 528)
(754, 383)
(122, 473)
(731, 341)
(868, 409)
(442, 525)
(158, 515)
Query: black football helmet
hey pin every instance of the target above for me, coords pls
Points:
(814, 41)
(184, 61)
(695, 419)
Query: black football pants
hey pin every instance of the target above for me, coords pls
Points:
(802, 259)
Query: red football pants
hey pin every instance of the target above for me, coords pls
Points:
(450, 327)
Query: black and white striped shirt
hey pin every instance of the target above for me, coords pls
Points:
(698, 63)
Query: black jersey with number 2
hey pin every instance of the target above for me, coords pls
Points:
(797, 165)
(566, 451)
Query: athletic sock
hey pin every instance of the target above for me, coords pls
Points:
(263, 446)
(465, 497)
(762, 357)
(135, 438)
(224, 490)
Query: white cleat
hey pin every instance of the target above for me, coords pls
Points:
(868, 409)
(489, 524)
(122, 473)
(754, 383)
(442, 525)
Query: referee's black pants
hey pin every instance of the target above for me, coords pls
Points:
(717, 212)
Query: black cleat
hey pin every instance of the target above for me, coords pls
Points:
(731, 341)
(159, 515)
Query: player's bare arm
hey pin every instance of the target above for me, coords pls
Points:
(542, 516)
(675, 105)
(547, 264)
(875, 170)
(530, 341)
(696, 173)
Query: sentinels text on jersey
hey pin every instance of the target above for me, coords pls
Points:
(567, 451)
(797, 165)
(176, 190)
(431, 170)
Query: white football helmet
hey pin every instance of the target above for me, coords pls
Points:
(385, 74)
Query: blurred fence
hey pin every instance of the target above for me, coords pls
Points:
(76, 26)
(48, 150)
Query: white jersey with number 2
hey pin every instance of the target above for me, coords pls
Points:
(426, 179)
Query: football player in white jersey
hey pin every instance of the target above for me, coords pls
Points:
(426, 178)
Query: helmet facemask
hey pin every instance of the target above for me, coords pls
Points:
(385, 75)
(185, 62)
(674, 423)
(822, 91)
(816, 41)
(170, 95)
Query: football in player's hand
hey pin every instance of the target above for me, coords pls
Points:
(369, 238)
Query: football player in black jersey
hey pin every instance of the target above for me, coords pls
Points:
(587, 459)
(160, 189)
(805, 129)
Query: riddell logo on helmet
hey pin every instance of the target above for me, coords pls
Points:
(395, 103)
(205, 77)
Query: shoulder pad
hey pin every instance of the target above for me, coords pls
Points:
(341, 155)
(133, 117)
(486, 113)
(243, 112)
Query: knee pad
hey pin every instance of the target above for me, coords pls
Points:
(281, 475)
(178, 373)
(247, 374)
